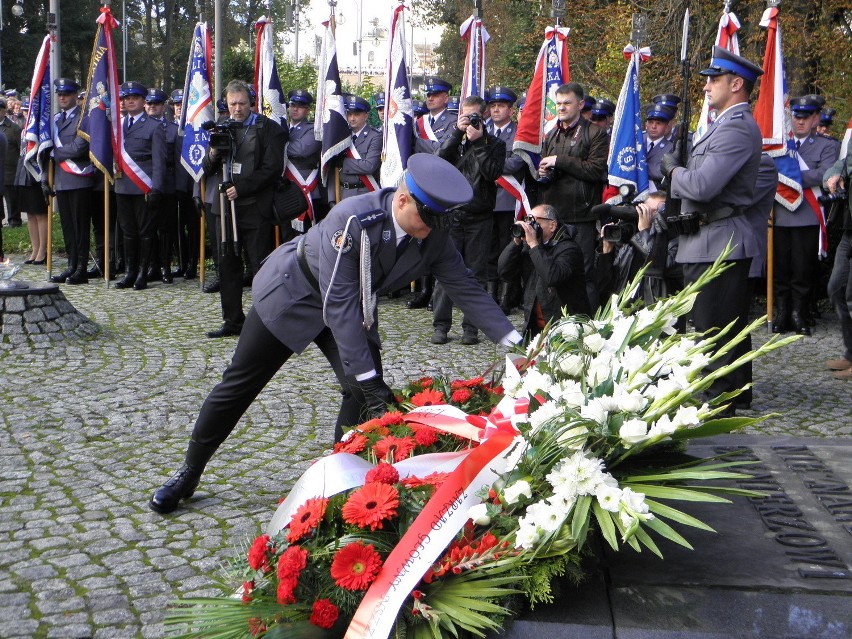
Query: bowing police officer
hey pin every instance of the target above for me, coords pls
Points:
(438, 124)
(357, 170)
(717, 187)
(657, 119)
(140, 185)
(322, 288)
(73, 182)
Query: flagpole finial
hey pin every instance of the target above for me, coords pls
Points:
(557, 10)
(477, 8)
(772, 4)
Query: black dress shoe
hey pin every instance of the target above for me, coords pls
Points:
(799, 324)
(60, 279)
(40, 262)
(79, 277)
(421, 300)
(225, 331)
(28, 261)
(181, 485)
(141, 282)
(167, 276)
(127, 281)
(211, 287)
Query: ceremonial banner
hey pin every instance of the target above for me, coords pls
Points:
(271, 101)
(772, 113)
(330, 126)
(101, 122)
(39, 124)
(726, 37)
(197, 103)
(398, 131)
(539, 114)
(627, 163)
(844, 146)
(473, 78)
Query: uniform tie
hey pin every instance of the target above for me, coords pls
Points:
(62, 118)
(354, 139)
(431, 121)
(798, 144)
(497, 131)
(129, 121)
(402, 245)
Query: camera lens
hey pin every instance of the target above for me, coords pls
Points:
(517, 230)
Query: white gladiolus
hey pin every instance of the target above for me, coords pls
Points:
(686, 416)
(634, 501)
(512, 493)
(633, 431)
(546, 517)
(479, 515)
(527, 536)
(662, 426)
(630, 402)
(608, 497)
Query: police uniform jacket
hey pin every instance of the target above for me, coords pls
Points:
(172, 154)
(12, 132)
(292, 308)
(581, 166)
(70, 147)
(819, 154)
(514, 165)
(145, 142)
(445, 124)
(183, 180)
(654, 156)
(758, 213)
(369, 145)
(720, 175)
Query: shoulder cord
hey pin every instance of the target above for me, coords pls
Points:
(368, 299)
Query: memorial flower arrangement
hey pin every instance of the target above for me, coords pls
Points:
(450, 516)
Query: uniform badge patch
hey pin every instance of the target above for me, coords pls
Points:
(386, 236)
(341, 242)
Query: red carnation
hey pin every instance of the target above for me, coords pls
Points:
(426, 436)
(461, 395)
(306, 518)
(427, 398)
(285, 594)
(355, 566)
(425, 382)
(383, 473)
(353, 444)
(291, 562)
(324, 613)
(398, 447)
(370, 505)
(258, 555)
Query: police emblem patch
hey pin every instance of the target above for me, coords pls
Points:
(386, 236)
(341, 242)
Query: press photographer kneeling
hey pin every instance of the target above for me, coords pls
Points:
(631, 237)
(544, 253)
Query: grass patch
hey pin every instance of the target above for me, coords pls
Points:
(17, 240)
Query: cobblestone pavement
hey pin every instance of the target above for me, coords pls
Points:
(90, 427)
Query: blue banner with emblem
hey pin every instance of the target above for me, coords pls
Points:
(197, 103)
(627, 163)
(38, 127)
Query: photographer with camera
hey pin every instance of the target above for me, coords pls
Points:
(248, 151)
(544, 253)
(836, 181)
(480, 156)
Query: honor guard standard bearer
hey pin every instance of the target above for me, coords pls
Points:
(73, 181)
(356, 171)
(716, 187)
(322, 288)
(303, 150)
(255, 161)
(797, 232)
(138, 192)
(657, 144)
(433, 128)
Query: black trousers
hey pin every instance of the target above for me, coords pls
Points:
(796, 264)
(188, 230)
(587, 239)
(259, 355)
(724, 300)
(75, 213)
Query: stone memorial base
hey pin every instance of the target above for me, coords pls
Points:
(39, 315)
(779, 566)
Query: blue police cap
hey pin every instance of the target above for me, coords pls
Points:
(177, 96)
(500, 94)
(453, 104)
(522, 101)
(66, 85)
(804, 106)
(221, 107)
(25, 103)
(723, 61)
(436, 183)
(81, 95)
(356, 103)
(132, 88)
(603, 107)
(11, 93)
(816, 98)
(667, 99)
(437, 85)
(658, 112)
(379, 99)
(156, 95)
(826, 116)
(588, 103)
(418, 108)
(300, 97)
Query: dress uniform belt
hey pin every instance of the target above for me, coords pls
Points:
(303, 264)
(140, 158)
(351, 185)
(707, 217)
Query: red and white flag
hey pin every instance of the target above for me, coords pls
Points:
(473, 79)
(844, 146)
(726, 37)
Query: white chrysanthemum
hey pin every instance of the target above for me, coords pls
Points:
(609, 497)
(544, 413)
(564, 482)
(527, 536)
(589, 475)
(479, 515)
(594, 342)
(547, 517)
(512, 493)
(633, 431)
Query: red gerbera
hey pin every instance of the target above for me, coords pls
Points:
(324, 613)
(426, 436)
(391, 418)
(306, 518)
(355, 566)
(370, 505)
(373, 426)
(383, 473)
(461, 395)
(427, 397)
(258, 554)
(398, 447)
(425, 382)
(353, 444)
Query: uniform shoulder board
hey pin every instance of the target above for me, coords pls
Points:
(737, 116)
(369, 218)
(827, 137)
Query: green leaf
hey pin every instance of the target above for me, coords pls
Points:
(663, 529)
(646, 540)
(680, 475)
(716, 427)
(580, 519)
(604, 518)
(676, 515)
(675, 493)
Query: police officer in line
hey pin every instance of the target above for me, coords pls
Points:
(717, 186)
(139, 191)
(419, 109)
(367, 145)
(167, 214)
(826, 119)
(379, 101)
(73, 182)
(438, 124)
(303, 150)
(657, 119)
(669, 101)
(588, 105)
(256, 161)
(797, 232)
(188, 211)
(603, 114)
(318, 288)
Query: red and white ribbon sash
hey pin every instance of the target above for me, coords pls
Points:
(424, 129)
(70, 166)
(367, 180)
(516, 190)
(307, 184)
(133, 171)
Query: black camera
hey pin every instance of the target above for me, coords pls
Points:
(830, 198)
(518, 230)
(619, 222)
(475, 120)
(222, 133)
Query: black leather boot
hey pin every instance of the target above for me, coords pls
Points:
(421, 300)
(192, 268)
(141, 283)
(131, 254)
(491, 287)
(798, 319)
(80, 276)
(505, 301)
(183, 483)
(166, 260)
(781, 319)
